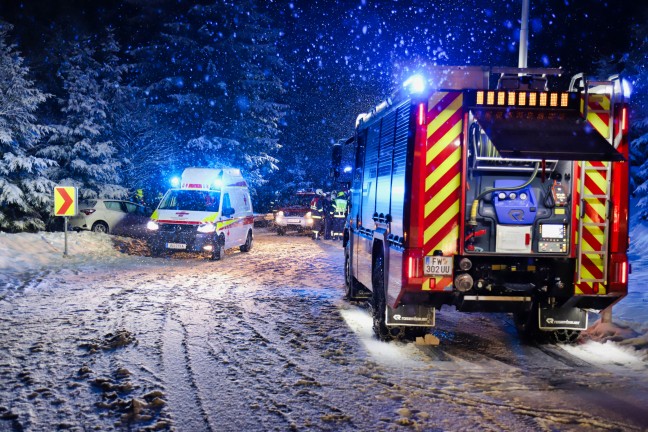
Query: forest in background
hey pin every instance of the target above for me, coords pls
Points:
(113, 97)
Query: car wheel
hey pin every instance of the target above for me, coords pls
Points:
(100, 227)
(281, 231)
(248, 243)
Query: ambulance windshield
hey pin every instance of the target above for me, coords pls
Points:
(196, 200)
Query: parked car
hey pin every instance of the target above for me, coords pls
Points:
(295, 213)
(111, 216)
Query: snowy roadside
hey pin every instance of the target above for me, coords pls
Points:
(24, 257)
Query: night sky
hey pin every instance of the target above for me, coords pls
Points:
(363, 37)
(343, 57)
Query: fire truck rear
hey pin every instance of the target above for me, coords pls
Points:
(484, 189)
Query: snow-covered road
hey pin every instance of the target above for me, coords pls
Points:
(265, 341)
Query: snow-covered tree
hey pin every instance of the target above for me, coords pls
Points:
(213, 80)
(25, 192)
(633, 68)
(81, 145)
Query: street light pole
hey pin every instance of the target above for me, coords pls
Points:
(524, 35)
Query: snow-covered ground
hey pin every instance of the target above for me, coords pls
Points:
(104, 339)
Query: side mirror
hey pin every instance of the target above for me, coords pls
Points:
(227, 212)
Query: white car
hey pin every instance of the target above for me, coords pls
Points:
(111, 216)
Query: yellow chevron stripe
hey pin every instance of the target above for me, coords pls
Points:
(444, 115)
(426, 285)
(445, 218)
(444, 193)
(211, 218)
(598, 124)
(449, 243)
(443, 143)
(226, 223)
(442, 169)
(601, 99)
(592, 247)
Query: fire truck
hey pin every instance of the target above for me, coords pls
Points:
(484, 189)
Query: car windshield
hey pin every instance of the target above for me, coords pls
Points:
(299, 201)
(196, 200)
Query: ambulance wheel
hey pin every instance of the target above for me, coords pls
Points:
(564, 336)
(352, 285)
(219, 249)
(247, 247)
(155, 251)
(379, 302)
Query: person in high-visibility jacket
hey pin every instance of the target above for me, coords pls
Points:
(317, 214)
(339, 215)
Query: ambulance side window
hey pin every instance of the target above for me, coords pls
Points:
(226, 201)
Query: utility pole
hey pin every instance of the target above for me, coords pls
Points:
(524, 35)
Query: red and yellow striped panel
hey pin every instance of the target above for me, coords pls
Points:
(592, 265)
(598, 113)
(443, 178)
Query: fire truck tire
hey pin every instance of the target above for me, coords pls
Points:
(352, 285)
(564, 336)
(379, 302)
(526, 324)
(247, 247)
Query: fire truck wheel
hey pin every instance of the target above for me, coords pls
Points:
(352, 285)
(526, 323)
(247, 247)
(564, 336)
(378, 301)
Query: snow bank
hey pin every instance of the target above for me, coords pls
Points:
(26, 253)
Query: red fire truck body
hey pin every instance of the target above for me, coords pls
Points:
(484, 190)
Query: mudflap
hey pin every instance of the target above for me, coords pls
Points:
(562, 319)
(411, 316)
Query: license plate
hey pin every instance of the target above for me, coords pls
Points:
(438, 266)
(293, 221)
(176, 246)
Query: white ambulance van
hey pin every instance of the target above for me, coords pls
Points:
(210, 212)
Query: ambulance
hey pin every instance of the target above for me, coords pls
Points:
(209, 213)
(491, 190)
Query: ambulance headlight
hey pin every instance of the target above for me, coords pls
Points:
(152, 225)
(207, 228)
(279, 215)
(309, 218)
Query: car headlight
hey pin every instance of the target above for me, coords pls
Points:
(152, 225)
(279, 215)
(309, 218)
(207, 228)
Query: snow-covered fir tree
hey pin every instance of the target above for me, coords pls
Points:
(25, 192)
(81, 144)
(636, 72)
(214, 79)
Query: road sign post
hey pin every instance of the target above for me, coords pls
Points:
(65, 204)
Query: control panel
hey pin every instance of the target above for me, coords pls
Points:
(553, 238)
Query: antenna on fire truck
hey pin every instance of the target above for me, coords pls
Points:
(524, 35)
